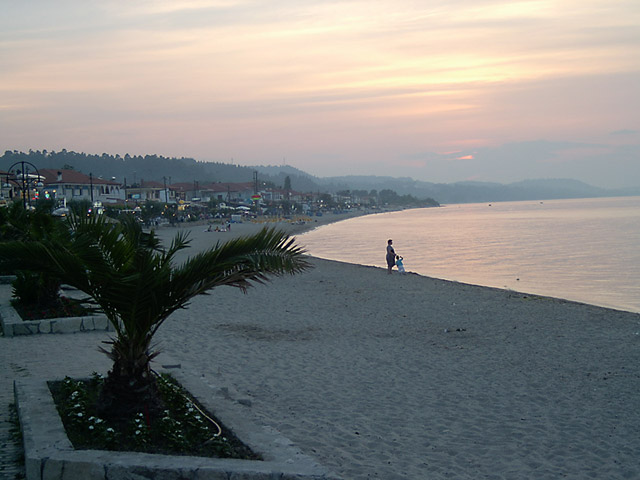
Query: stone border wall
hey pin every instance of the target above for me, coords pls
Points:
(12, 323)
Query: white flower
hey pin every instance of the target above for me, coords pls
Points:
(90, 427)
(137, 432)
(79, 414)
(110, 430)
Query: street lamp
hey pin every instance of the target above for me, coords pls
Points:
(24, 178)
(91, 186)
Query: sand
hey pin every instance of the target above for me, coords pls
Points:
(403, 376)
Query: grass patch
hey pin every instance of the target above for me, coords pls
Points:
(184, 428)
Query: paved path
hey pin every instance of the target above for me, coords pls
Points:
(10, 451)
(40, 356)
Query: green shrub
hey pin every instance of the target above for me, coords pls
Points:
(38, 289)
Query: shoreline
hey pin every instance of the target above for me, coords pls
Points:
(202, 240)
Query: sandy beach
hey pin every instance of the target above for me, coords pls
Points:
(401, 376)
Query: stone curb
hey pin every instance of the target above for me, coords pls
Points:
(50, 456)
(12, 324)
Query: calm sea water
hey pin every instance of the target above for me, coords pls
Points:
(587, 250)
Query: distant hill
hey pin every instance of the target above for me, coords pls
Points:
(135, 168)
(174, 170)
(473, 192)
(300, 181)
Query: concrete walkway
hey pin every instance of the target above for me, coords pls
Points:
(40, 356)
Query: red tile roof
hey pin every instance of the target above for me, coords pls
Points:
(71, 176)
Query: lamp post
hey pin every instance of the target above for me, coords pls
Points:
(166, 194)
(24, 177)
(91, 186)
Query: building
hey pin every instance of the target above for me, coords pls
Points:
(149, 191)
(72, 185)
(232, 193)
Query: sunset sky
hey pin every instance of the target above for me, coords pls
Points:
(441, 91)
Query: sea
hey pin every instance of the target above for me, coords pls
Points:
(584, 250)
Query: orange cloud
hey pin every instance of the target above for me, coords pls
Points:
(466, 157)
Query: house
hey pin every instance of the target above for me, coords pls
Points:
(150, 191)
(73, 185)
(279, 195)
(186, 192)
(221, 192)
(232, 193)
(6, 190)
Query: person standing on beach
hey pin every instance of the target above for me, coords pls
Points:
(391, 256)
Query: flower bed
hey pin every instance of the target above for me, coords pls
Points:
(183, 428)
(65, 308)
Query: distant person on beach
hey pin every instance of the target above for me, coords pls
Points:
(391, 256)
(399, 264)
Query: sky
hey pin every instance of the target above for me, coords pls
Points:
(441, 91)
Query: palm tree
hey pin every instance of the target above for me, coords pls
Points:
(134, 281)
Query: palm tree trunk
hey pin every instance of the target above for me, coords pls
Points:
(130, 386)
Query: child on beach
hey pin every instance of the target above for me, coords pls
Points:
(399, 264)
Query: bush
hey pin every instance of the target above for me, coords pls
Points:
(38, 289)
